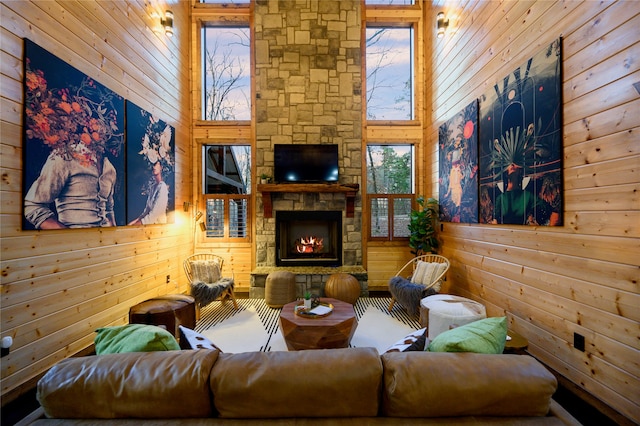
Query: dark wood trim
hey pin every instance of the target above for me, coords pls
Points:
(350, 191)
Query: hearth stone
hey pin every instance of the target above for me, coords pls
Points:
(308, 278)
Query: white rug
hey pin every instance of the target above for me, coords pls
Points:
(255, 326)
(242, 332)
(378, 330)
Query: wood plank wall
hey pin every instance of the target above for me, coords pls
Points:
(59, 286)
(582, 277)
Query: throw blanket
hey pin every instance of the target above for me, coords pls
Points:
(409, 294)
(205, 293)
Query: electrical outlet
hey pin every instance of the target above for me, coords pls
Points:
(578, 341)
(168, 279)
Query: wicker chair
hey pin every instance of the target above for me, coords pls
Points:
(204, 272)
(417, 291)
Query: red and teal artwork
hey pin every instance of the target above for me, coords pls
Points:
(458, 180)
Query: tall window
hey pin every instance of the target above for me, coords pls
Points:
(226, 184)
(226, 91)
(390, 75)
(390, 190)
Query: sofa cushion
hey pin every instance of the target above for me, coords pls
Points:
(191, 339)
(415, 341)
(486, 336)
(134, 338)
(152, 385)
(430, 384)
(312, 383)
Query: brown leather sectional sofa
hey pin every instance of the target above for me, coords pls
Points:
(332, 386)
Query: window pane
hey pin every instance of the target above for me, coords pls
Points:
(379, 218)
(215, 218)
(401, 215)
(390, 169)
(238, 218)
(227, 169)
(226, 73)
(389, 79)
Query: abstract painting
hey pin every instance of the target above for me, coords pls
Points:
(521, 144)
(150, 168)
(73, 147)
(458, 181)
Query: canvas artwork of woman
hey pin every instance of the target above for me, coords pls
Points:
(73, 141)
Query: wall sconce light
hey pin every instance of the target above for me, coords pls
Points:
(198, 216)
(167, 23)
(203, 226)
(441, 24)
(185, 206)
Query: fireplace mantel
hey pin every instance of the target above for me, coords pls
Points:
(350, 191)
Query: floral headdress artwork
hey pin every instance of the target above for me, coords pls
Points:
(74, 122)
(156, 143)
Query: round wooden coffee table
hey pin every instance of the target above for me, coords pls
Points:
(332, 331)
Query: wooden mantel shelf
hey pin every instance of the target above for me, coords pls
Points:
(349, 189)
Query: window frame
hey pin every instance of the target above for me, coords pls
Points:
(390, 197)
(203, 197)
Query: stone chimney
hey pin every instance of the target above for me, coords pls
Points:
(308, 90)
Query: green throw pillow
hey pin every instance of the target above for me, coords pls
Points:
(485, 336)
(134, 338)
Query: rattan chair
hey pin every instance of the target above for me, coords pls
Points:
(417, 289)
(207, 284)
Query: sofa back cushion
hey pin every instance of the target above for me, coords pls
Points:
(312, 383)
(150, 385)
(430, 384)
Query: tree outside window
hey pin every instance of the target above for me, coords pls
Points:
(389, 73)
(390, 189)
(226, 69)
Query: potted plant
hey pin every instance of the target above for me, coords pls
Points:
(422, 227)
(264, 178)
(307, 300)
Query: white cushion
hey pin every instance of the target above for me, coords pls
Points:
(207, 271)
(426, 272)
(447, 311)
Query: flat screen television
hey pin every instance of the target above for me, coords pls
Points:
(305, 163)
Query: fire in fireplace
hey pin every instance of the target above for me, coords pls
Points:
(308, 238)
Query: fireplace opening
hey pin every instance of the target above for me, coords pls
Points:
(308, 238)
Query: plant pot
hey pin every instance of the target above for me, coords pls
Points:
(307, 303)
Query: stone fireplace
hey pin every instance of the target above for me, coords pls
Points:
(308, 238)
(308, 91)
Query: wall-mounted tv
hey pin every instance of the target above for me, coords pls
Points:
(305, 163)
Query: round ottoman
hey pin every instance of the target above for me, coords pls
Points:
(280, 289)
(170, 311)
(343, 287)
(442, 312)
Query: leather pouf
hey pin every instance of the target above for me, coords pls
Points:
(343, 287)
(170, 311)
(280, 289)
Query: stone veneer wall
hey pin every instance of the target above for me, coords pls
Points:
(308, 90)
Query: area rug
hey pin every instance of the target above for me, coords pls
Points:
(254, 326)
(379, 330)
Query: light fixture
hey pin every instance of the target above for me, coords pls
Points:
(167, 23)
(185, 206)
(198, 216)
(441, 24)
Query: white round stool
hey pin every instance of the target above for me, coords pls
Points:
(442, 312)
